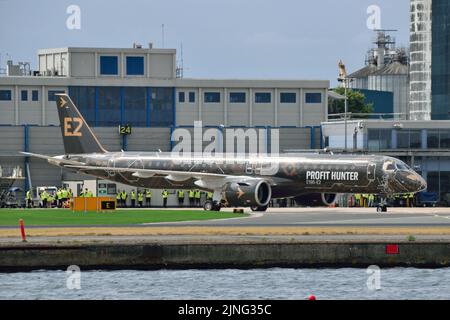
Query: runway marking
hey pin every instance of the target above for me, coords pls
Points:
(249, 216)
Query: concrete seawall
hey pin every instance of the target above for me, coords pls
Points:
(257, 254)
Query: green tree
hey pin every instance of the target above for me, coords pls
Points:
(356, 103)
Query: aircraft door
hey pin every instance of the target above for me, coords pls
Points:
(371, 171)
(111, 164)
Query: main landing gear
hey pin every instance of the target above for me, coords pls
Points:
(259, 208)
(212, 206)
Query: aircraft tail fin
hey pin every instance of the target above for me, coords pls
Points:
(77, 135)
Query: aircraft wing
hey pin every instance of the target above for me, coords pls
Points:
(148, 173)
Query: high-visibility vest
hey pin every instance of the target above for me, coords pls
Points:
(118, 196)
(210, 195)
(133, 195)
(197, 194)
(140, 196)
(165, 194)
(28, 195)
(191, 193)
(124, 195)
(357, 196)
(180, 194)
(148, 194)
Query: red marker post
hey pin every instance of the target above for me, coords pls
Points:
(22, 230)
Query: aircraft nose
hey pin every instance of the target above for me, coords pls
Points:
(423, 184)
(411, 181)
(416, 182)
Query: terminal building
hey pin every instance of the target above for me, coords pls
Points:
(139, 87)
(424, 145)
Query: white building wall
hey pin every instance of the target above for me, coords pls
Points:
(420, 60)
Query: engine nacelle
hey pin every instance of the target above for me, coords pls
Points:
(316, 199)
(246, 193)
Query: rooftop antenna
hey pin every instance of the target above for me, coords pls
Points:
(162, 32)
(180, 68)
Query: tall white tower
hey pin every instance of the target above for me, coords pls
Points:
(420, 60)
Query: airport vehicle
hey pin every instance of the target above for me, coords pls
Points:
(11, 198)
(241, 181)
(427, 199)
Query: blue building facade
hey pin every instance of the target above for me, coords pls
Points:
(136, 106)
(382, 101)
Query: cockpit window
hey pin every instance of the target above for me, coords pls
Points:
(390, 166)
(401, 166)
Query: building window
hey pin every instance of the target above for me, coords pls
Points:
(109, 65)
(313, 97)
(237, 97)
(35, 95)
(191, 97)
(288, 97)
(51, 94)
(212, 97)
(24, 95)
(5, 95)
(263, 97)
(135, 66)
(181, 97)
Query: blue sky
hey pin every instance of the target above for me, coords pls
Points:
(261, 39)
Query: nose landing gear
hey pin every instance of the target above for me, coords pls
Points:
(382, 206)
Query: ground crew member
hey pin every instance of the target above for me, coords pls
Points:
(43, 199)
(191, 197)
(119, 198)
(140, 198)
(28, 199)
(133, 198)
(371, 199)
(209, 195)
(197, 197)
(123, 196)
(411, 200)
(49, 199)
(58, 198)
(88, 193)
(180, 197)
(165, 194)
(65, 195)
(406, 199)
(148, 197)
(357, 200)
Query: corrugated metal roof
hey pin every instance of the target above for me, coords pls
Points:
(364, 72)
(395, 68)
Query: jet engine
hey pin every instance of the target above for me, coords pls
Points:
(247, 193)
(316, 199)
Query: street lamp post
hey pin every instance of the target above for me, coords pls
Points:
(345, 80)
(345, 113)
